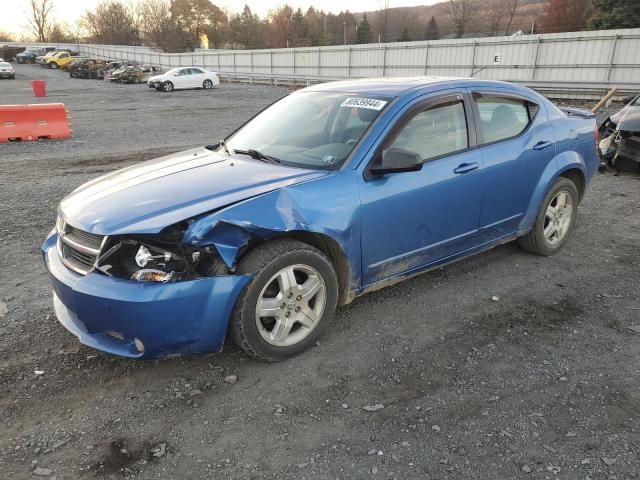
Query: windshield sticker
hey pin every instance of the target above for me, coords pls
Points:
(370, 103)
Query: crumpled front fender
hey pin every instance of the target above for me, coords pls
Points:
(305, 207)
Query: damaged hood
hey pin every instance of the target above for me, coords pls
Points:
(628, 118)
(151, 195)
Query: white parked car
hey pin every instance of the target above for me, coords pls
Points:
(6, 70)
(184, 77)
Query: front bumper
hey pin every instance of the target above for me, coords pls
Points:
(169, 319)
(7, 74)
(154, 84)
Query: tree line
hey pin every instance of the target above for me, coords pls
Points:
(183, 25)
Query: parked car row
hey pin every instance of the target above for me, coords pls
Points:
(122, 71)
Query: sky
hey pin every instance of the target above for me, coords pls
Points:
(14, 17)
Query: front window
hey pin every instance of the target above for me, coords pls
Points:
(310, 129)
(435, 132)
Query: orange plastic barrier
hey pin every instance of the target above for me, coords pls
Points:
(34, 122)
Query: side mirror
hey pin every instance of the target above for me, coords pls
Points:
(396, 160)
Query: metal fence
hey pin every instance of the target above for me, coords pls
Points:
(584, 62)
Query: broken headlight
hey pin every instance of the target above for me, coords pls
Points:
(159, 258)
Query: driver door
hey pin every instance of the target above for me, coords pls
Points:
(411, 220)
(182, 78)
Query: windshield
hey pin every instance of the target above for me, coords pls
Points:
(310, 129)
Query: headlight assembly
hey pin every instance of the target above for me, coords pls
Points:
(158, 258)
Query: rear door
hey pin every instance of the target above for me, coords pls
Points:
(517, 143)
(197, 77)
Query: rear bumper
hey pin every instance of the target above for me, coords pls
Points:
(171, 319)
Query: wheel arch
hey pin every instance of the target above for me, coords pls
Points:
(330, 248)
(569, 165)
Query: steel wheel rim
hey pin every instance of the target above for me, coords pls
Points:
(290, 305)
(557, 218)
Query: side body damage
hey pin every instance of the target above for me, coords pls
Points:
(304, 211)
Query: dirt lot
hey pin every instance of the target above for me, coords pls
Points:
(540, 382)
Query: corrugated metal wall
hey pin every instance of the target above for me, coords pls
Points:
(605, 57)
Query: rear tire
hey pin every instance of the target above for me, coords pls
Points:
(294, 282)
(555, 220)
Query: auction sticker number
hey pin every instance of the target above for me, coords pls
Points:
(370, 103)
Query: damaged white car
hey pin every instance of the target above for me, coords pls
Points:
(620, 134)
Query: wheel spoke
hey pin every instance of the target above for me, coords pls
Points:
(308, 318)
(287, 280)
(269, 307)
(549, 231)
(561, 200)
(280, 330)
(310, 287)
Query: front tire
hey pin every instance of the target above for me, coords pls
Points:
(207, 84)
(555, 220)
(167, 86)
(288, 303)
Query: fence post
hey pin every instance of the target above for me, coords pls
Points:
(612, 56)
(234, 62)
(319, 61)
(384, 60)
(271, 61)
(473, 58)
(426, 60)
(535, 59)
(294, 60)
(349, 64)
(251, 59)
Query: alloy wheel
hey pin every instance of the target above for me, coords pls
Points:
(290, 305)
(557, 218)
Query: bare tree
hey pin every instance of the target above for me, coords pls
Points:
(461, 11)
(40, 18)
(512, 6)
(383, 19)
(496, 11)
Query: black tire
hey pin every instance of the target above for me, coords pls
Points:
(167, 87)
(207, 84)
(263, 263)
(534, 241)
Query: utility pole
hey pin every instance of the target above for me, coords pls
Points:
(344, 29)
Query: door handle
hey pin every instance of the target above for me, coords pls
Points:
(466, 167)
(541, 145)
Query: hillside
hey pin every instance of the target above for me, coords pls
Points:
(415, 19)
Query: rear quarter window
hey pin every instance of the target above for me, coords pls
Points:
(502, 118)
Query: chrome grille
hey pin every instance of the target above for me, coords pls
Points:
(78, 250)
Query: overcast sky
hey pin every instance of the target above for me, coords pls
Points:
(14, 17)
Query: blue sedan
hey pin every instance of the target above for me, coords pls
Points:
(334, 191)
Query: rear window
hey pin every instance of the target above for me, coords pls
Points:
(502, 118)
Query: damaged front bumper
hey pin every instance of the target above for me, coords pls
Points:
(142, 319)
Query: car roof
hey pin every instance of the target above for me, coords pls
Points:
(397, 86)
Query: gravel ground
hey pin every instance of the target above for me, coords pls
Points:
(502, 366)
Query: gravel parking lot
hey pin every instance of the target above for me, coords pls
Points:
(502, 366)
